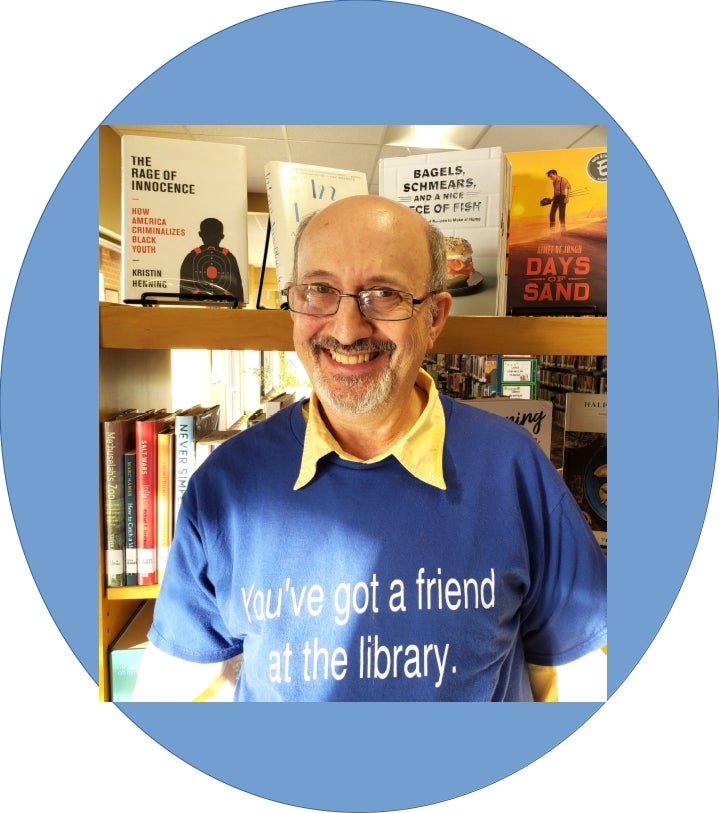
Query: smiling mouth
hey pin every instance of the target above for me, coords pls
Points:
(356, 358)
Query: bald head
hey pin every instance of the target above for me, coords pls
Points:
(380, 222)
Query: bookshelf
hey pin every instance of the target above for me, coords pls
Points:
(135, 370)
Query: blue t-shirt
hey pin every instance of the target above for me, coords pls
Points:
(369, 584)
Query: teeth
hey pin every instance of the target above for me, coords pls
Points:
(360, 358)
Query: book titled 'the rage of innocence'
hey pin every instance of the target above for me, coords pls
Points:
(295, 191)
(465, 194)
(557, 242)
(184, 221)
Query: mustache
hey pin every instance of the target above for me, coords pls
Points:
(360, 346)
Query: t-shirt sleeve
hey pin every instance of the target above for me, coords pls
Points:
(187, 622)
(565, 615)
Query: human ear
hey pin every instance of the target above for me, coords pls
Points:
(441, 307)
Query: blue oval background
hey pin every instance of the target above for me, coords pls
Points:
(348, 757)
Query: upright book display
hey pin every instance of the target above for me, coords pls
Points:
(535, 416)
(295, 191)
(585, 457)
(557, 243)
(184, 221)
(465, 195)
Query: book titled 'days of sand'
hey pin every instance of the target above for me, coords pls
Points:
(557, 242)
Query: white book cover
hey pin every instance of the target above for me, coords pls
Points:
(295, 191)
(465, 194)
(535, 416)
(184, 218)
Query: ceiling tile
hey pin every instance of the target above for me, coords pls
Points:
(341, 133)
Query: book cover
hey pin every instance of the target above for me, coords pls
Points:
(295, 191)
(190, 424)
(125, 657)
(279, 401)
(130, 520)
(126, 652)
(165, 496)
(534, 415)
(465, 194)
(117, 437)
(147, 431)
(557, 242)
(184, 219)
(585, 457)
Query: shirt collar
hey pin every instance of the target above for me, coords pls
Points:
(419, 451)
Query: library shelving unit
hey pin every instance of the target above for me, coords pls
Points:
(135, 369)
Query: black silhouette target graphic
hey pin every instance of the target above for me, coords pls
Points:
(211, 268)
(210, 272)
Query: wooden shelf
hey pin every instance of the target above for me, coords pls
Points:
(140, 593)
(137, 328)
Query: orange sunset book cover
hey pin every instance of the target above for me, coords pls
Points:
(557, 240)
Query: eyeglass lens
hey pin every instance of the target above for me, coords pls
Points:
(374, 304)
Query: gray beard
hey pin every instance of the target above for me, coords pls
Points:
(339, 394)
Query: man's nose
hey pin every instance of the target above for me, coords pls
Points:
(348, 324)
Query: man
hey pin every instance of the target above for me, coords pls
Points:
(561, 189)
(378, 542)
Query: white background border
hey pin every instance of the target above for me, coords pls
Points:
(64, 67)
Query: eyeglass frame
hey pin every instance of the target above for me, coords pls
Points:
(413, 301)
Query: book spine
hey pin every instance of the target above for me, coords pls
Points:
(165, 490)
(114, 502)
(184, 455)
(146, 500)
(130, 521)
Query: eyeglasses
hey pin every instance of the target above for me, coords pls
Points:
(383, 304)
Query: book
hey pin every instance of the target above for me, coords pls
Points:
(295, 191)
(184, 220)
(117, 437)
(126, 653)
(557, 252)
(584, 466)
(465, 194)
(165, 496)
(278, 402)
(534, 415)
(147, 430)
(190, 424)
(130, 520)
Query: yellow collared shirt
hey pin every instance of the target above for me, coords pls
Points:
(419, 451)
